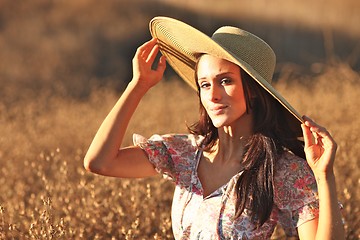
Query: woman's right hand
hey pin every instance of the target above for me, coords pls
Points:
(105, 155)
(143, 75)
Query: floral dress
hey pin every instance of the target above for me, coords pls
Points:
(197, 217)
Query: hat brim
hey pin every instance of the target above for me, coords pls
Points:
(182, 44)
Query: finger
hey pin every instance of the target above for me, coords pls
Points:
(162, 64)
(152, 55)
(315, 132)
(311, 123)
(149, 43)
(314, 127)
(320, 133)
(309, 120)
(144, 50)
(308, 140)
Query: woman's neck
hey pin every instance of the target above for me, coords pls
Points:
(230, 145)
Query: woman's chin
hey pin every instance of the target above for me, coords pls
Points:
(219, 124)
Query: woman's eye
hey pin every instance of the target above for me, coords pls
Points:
(225, 81)
(204, 85)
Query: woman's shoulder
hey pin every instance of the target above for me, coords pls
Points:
(288, 161)
(294, 177)
(290, 168)
(177, 141)
(172, 154)
(179, 138)
(169, 137)
(295, 192)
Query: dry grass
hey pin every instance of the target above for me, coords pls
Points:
(332, 99)
(45, 192)
(60, 62)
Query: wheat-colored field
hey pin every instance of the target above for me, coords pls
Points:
(60, 73)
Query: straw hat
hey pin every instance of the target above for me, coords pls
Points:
(182, 44)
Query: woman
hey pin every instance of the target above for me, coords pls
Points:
(241, 170)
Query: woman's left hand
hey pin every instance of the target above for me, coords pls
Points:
(320, 148)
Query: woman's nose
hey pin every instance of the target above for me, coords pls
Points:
(214, 94)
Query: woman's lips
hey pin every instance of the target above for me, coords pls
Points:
(218, 109)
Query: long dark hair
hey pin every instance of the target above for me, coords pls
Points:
(272, 134)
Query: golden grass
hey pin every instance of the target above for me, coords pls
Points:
(46, 193)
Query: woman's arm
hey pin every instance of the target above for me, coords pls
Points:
(104, 155)
(320, 149)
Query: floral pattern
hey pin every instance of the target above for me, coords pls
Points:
(194, 216)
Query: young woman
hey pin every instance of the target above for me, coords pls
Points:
(241, 170)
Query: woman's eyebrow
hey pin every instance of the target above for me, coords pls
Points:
(218, 75)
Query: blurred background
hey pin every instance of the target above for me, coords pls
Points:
(68, 46)
(63, 64)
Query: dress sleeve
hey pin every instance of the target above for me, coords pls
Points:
(170, 154)
(295, 193)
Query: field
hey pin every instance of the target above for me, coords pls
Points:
(64, 64)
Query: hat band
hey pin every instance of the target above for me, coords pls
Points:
(182, 57)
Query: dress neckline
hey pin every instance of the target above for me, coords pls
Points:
(220, 190)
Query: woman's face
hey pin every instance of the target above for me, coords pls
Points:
(221, 90)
